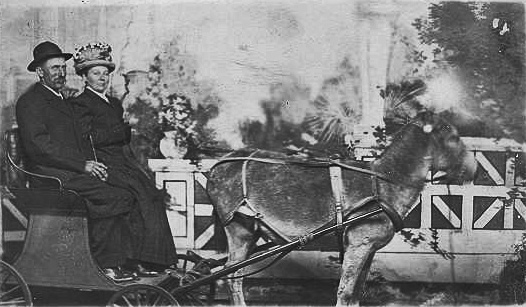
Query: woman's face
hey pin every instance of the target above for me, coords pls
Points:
(98, 78)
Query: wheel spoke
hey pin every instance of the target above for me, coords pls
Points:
(13, 301)
(143, 295)
(148, 297)
(157, 300)
(14, 290)
(5, 278)
(185, 264)
(138, 298)
(9, 291)
(127, 301)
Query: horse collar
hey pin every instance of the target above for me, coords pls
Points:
(338, 193)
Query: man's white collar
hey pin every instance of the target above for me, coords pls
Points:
(53, 91)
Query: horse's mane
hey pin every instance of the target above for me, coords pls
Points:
(401, 156)
(399, 159)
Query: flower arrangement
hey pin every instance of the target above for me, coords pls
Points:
(167, 123)
(176, 114)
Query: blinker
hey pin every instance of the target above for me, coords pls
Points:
(427, 128)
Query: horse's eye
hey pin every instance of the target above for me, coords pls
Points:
(454, 138)
(446, 128)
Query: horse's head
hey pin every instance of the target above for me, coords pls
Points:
(448, 152)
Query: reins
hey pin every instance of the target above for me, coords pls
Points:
(323, 163)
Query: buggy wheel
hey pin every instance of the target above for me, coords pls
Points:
(13, 288)
(201, 296)
(142, 295)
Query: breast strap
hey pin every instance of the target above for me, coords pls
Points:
(245, 206)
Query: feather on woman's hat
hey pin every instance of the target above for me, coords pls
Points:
(93, 54)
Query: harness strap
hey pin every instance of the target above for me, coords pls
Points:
(335, 172)
(244, 175)
(395, 218)
(391, 213)
(244, 179)
(251, 158)
(244, 190)
(374, 185)
(252, 210)
(397, 221)
(337, 192)
(319, 163)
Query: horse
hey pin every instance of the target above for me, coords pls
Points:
(259, 193)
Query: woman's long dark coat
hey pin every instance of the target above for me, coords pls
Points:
(111, 136)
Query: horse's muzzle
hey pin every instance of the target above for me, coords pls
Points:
(465, 171)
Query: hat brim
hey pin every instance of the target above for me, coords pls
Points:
(81, 67)
(34, 64)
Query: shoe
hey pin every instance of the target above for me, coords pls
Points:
(141, 271)
(118, 275)
(171, 268)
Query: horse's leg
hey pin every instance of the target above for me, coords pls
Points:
(240, 242)
(357, 259)
(362, 278)
(361, 244)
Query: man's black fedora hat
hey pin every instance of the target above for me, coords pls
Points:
(44, 51)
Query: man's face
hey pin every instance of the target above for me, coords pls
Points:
(52, 72)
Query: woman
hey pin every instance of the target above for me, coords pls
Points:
(102, 122)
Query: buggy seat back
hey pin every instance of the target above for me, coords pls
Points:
(19, 181)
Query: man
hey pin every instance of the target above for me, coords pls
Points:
(54, 146)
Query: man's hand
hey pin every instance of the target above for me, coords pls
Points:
(96, 169)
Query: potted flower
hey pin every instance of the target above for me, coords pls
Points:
(177, 121)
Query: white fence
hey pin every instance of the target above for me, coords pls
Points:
(473, 225)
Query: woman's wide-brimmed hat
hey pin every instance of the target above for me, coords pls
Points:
(46, 50)
(93, 54)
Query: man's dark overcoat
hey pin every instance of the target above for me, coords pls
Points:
(52, 140)
(103, 121)
(50, 134)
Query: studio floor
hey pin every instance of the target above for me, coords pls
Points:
(273, 292)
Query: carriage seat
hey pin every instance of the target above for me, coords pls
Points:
(56, 250)
(19, 181)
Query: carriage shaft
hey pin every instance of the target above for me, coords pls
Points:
(287, 248)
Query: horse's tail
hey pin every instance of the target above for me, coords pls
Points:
(215, 214)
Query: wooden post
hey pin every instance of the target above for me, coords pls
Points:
(375, 31)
